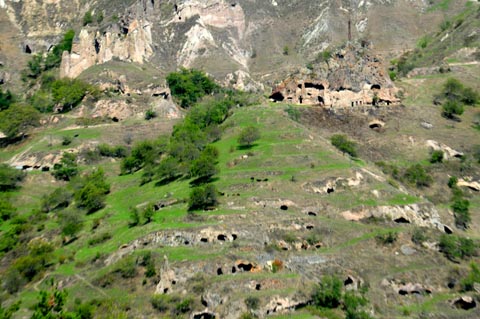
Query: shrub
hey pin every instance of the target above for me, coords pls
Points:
(87, 18)
(205, 166)
(286, 50)
(387, 238)
(436, 156)
(454, 247)
(452, 182)
(71, 223)
(134, 217)
(114, 151)
(68, 93)
(148, 213)
(10, 178)
(160, 302)
(293, 113)
(99, 239)
(150, 114)
(67, 140)
(92, 191)
(185, 305)
(460, 208)
(188, 86)
(473, 277)
(7, 210)
(248, 135)
(417, 175)
(203, 197)
(452, 108)
(328, 292)
(342, 143)
(6, 99)
(418, 236)
(17, 120)
(252, 302)
(58, 199)
(67, 168)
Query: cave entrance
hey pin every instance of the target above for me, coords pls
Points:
(319, 87)
(375, 87)
(277, 97)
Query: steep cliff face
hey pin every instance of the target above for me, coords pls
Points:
(220, 36)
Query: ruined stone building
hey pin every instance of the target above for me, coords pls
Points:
(351, 77)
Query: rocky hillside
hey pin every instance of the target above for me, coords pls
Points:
(244, 43)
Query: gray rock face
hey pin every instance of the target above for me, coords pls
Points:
(239, 42)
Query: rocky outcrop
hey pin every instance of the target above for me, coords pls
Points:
(423, 215)
(468, 182)
(352, 77)
(131, 42)
(448, 152)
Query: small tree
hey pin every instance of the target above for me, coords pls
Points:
(18, 119)
(203, 197)
(71, 223)
(248, 135)
(7, 210)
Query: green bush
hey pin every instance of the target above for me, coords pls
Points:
(452, 108)
(419, 236)
(71, 223)
(452, 182)
(188, 86)
(7, 313)
(205, 166)
(92, 192)
(436, 157)
(387, 238)
(112, 151)
(150, 114)
(87, 18)
(6, 99)
(203, 197)
(10, 178)
(68, 93)
(252, 302)
(342, 143)
(473, 277)
(160, 302)
(67, 168)
(328, 293)
(99, 239)
(248, 135)
(58, 199)
(417, 175)
(7, 210)
(454, 247)
(18, 119)
(460, 208)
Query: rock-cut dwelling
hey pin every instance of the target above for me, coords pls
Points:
(352, 77)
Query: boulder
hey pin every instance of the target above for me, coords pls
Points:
(448, 152)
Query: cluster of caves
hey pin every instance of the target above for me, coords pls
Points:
(318, 94)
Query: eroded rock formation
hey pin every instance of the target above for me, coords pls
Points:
(351, 77)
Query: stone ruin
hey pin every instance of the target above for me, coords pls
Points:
(352, 77)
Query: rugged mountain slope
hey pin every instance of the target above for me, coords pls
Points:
(235, 40)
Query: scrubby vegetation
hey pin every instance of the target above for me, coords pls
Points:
(188, 86)
(344, 144)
